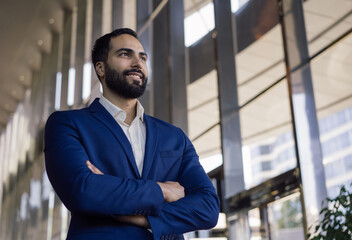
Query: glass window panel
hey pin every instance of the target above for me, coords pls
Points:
(71, 86)
(237, 4)
(260, 64)
(238, 226)
(203, 119)
(254, 224)
(199, 20)
(325, 21)
(331, 73)
(268, 144)
(285, 218)
(58, 90)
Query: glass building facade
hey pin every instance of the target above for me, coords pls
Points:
(262, 87)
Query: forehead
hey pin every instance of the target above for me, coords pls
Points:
(126, 41)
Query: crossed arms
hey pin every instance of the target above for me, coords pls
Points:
(172, 191)
(169, 207)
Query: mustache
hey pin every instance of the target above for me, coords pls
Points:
(133, 71)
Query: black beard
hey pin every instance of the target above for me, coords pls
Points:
(117, 82)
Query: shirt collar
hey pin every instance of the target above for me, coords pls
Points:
(118, 113)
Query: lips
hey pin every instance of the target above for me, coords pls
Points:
(135, 74)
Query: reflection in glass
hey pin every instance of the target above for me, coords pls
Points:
(199, 22)
(260, 65)
(285, 218)
(203, 119)
(237, 4)
(254, 224)
(325, 21)
(268, 144)
(331, 73)
(238, 226)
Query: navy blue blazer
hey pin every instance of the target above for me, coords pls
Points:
(73, 137)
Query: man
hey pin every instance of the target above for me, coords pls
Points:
(121, 173)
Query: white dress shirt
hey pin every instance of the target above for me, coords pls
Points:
(135, 133)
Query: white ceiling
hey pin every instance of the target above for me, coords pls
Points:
(26, 27)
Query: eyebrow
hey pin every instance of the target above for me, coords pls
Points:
(130, 51)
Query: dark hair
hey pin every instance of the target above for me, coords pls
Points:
(102, 45)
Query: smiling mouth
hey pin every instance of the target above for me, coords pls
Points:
(135, 76)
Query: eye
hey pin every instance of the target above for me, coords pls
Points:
(125, 54)
(143, 58)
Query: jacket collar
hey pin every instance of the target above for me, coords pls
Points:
(100, 113)
(150, 145)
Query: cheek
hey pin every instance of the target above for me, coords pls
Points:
(145, 71)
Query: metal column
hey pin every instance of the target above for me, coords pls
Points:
(177, 65)
(305, 124)
(228, 99)
(80, 49)
(117, 14)
(144, 10)
(169, 78)
(66, 50)
(160, 68)
(54, 53)
(96, 33)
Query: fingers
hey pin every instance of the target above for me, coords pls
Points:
(94, 169)
(140, 221)
(172, 191)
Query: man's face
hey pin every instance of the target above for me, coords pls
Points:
(126, 72)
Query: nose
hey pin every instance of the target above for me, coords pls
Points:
(136, 62)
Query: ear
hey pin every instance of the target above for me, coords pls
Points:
(100, 69)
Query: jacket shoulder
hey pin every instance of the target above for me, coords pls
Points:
(166, 129)
(68, 113)
(161, 123)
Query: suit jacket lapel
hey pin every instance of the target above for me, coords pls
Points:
(102, 115)
(150, 145)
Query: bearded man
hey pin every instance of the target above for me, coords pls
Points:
(122, 173)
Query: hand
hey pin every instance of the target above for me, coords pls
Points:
(172, 191)
(140, 221)
(93, 168)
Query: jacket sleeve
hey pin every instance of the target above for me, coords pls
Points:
(199, 209)
(81, 190)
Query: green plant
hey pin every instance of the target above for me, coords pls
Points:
(336, 223)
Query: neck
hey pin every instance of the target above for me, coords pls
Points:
(128, 105)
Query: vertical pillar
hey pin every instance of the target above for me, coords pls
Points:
(96, 33)
(2, 160)
(170, 98)
(50, 78)
(117, 14)
(33, 118)
(144, 9)
(80, 49)
(177, 65)
(161, 95)
(44, 86)
(305, 123)
(264, 223)
(66, 50)
(228, 99)
(53, 71)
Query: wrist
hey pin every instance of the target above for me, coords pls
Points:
(163, 188)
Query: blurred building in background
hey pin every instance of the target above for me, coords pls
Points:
(262, 87)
